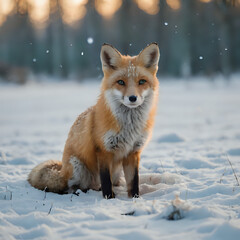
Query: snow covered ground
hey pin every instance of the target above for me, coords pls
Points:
(190, 171)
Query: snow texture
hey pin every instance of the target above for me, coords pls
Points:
(189, 182)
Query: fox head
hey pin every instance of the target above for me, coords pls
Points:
(129, 80)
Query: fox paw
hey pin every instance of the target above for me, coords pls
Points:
(109, 196)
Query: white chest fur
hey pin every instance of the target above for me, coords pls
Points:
(130, 137)
(132, 122)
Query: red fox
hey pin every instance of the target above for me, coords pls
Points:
(109, 136)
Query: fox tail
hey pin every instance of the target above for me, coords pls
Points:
(46, 176)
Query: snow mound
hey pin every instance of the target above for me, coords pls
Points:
(171, 138)
(149, 183)
(226, 230)
(156, 178)
(176, 210)
(141, 207)
(195, 163)
(234, 152)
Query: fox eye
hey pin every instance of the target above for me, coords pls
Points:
(121, 82)
(141, 81)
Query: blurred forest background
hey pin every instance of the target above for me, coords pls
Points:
(63, 38)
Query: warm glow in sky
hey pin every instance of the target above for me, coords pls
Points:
(22, 6)
(39, 12)
(72, 11)
(107, 8)
(6, 8)
(174, 4)
(148, 6)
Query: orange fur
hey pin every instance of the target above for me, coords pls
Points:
(86, 150)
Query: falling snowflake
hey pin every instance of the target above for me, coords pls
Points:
(90, 40)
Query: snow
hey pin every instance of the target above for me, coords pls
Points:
(172, 137)
(185, 172)
(90, 40)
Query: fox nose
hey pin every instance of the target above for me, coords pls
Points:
(132, 98)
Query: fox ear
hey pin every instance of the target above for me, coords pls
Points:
(110, 57)
(149, 56)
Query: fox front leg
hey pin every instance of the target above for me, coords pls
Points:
(106, 183)
(105, 175)
(131, 172)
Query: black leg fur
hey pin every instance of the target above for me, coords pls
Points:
(135, 184)
(106, 184)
